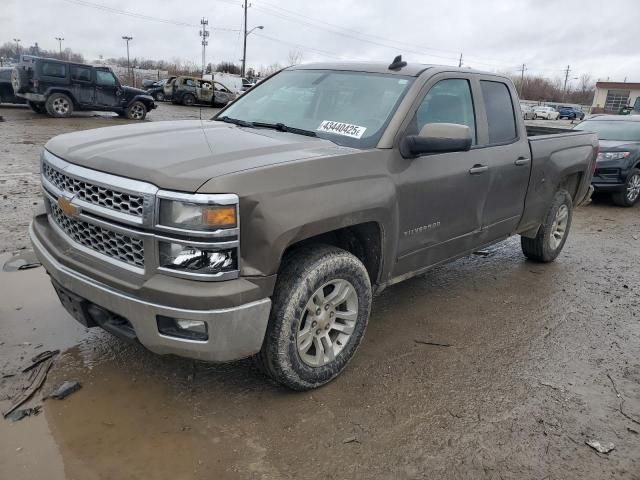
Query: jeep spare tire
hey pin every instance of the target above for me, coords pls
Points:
(59, 105)
(19, 80)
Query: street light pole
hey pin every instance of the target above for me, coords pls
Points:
(60, 39)
(244, 55)
(127, 38)
(17, 40)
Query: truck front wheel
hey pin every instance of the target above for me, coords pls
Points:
(552, 234)
(319, 315)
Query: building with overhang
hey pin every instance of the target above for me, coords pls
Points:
(610, 97)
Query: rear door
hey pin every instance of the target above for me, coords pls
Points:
(440, 196)
(505, 150)
(107, 88)
(204, 91)
(83, 84)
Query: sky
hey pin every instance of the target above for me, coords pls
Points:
(596, 37)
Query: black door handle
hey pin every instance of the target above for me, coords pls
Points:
(478, 169)
(521, 161)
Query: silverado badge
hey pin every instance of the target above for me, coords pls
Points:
(67, 207)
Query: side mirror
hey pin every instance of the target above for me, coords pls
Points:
(437, 138)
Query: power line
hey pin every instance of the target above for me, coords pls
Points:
(141, 16)
(302, 47)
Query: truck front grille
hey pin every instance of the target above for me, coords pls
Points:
(115, 245)
(95, 194)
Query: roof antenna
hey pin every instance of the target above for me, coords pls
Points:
(397, 63)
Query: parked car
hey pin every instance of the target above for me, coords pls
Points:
(194, 90)
(6, 89)
(570, 113)
(156, 89)
(618, 164)
(321, 173)
(527, 112)
(58, 88)
(548, 113)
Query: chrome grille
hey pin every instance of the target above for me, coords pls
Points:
(95, 194)
(107, 242)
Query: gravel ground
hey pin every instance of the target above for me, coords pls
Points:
(541, 359)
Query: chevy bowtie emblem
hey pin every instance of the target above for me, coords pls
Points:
(67, 207)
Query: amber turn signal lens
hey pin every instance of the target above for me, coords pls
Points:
(223, 217)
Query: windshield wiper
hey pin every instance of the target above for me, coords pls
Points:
(281, 127)
(235, 121)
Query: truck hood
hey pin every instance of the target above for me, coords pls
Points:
(607, 145)
(182, 155)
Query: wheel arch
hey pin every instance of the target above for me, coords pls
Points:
(51, 90)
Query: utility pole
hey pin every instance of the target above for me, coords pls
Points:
(566, 78)
(127, 38)
(60, 39)
(244, 47)
(524, 67)
(17, 40)
(204, 33)
(460, 61)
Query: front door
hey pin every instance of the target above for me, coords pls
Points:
(107, 89)
(508, 157)
(82, 84)
(441, 196)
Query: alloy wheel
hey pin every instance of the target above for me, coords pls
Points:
(559, 227)
(60, 106)
(137, 112)
(327, 323)
(633, 188)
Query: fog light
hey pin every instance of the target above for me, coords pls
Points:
(196, 260)
(187, 329)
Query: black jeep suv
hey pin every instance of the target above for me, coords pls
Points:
(58, 88)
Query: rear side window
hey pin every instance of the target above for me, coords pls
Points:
(448, 101)
(82, 74)
(51, 69)
(500, 115)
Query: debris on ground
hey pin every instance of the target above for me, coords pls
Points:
(435, 344)
(600, 447)
(64, 390)
(631, 430)
(41, 357)
(36, 378)
(19, 414)
(23, 261)
(352, 439)
(484, 253)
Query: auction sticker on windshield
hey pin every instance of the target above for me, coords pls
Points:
(340, 128)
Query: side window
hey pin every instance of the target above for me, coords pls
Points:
(82, 74)
(105, 78)
(51, 69)
(500, 115)
(448, 101)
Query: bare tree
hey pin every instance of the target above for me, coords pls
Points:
(273, 68)
(295, 57)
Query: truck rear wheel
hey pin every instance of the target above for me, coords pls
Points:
(552, 234)
(319, 315)
(59, 105)
(629, 196)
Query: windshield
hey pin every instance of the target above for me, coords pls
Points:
(348, 108)
(612, 130)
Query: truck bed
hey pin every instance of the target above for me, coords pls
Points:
(536, 130)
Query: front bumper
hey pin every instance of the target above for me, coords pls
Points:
(234, 332)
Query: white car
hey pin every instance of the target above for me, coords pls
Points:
(548, 113)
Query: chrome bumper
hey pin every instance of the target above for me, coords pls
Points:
(234, 333)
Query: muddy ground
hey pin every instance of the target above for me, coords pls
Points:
(540, 359)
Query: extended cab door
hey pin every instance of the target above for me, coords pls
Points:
(107, 88)
(440, 196)
(504, 147)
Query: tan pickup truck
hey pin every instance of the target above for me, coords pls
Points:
(265, 231)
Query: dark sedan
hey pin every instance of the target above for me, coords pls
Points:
(571, 113)
(618, 164)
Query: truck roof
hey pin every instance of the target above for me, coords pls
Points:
(411, 69)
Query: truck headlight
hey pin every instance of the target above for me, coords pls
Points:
(612, 155)
(194, 216)
(189, 259)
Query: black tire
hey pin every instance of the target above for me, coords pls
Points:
(159, 96)
(37, 107)
(188, 99)
(59, 105)
(304, 273)
(631, 194)
(19, 80)
(136, 111)
(542, 248)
